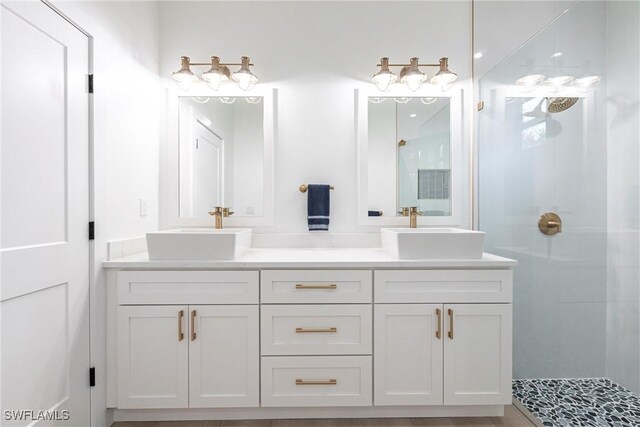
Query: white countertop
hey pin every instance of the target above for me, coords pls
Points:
(312, 258)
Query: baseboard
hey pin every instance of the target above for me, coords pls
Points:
(527, 413)
(294, 413)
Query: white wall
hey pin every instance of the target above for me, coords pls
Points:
(316, 54)
(623, 194)
(126, 114)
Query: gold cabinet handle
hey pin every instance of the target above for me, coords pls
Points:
(316, 382)
(450, 333)
(303, 286)
(193, 325)
(180, 317)
(439, 320)
(312, 330)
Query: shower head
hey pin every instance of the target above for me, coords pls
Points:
(558, 105)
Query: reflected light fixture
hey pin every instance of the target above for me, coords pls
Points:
(411, 76)
(477, 55)
(527, 83)
(584, 84)
(216, 75)
(444, 78)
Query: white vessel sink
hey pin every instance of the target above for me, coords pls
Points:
(198, 244)
(433, 243)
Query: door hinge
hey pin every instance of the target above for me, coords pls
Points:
(480, 105)
(92, 230)
(92, 377)
(90, 83)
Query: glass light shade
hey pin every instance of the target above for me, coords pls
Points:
(428, 101)
(402, 99)
(244, 78)
(411, 76)
(585, 84)
(184, 78)
(253, 100)
(527, 83)
(216, 74)
(376, 99)
(227, 99)
(384, 78)
(444, 78)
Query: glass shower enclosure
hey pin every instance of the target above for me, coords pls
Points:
(558, 135)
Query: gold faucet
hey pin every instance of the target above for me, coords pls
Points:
(219, 213)
(412, 213)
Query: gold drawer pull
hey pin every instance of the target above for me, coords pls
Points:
(180, 317)
(450, 333)
(193, 325)
(439, 320)
(305, 330)
(316, 382)
(303, 286)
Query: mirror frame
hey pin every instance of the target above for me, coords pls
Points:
(169, 167)
(457, 167)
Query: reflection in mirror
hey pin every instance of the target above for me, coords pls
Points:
(221, 149)
(409, 150)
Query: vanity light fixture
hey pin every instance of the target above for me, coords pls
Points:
(411, 76)
(444, 78)
(216, 75)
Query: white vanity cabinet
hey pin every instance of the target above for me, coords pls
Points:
(364, 340)
(187, 356)
(443, 353)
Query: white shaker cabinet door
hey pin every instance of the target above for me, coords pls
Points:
(153, 370)
(224, 356)
(408, 354)
(477, 354)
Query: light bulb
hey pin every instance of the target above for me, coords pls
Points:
(244, 78)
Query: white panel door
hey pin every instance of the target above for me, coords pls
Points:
(44, 192)
(408, 354)
(224, 356)
(477, 354)
(208, 170)
(153, 357)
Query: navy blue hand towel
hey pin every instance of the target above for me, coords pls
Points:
(318, 207)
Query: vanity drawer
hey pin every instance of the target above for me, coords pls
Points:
(317, 381)
(316, 286)
(188, 287)
(443, 286)
(315, 330)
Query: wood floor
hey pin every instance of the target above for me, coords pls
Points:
(512, 418)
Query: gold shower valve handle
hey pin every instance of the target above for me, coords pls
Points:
(550, 223)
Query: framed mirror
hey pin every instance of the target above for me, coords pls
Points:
(222, 155)
(409, 150)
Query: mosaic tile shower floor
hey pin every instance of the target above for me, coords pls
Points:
(579, 402)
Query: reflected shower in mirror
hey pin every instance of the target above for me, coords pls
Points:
(409, 155)
(221, 150)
